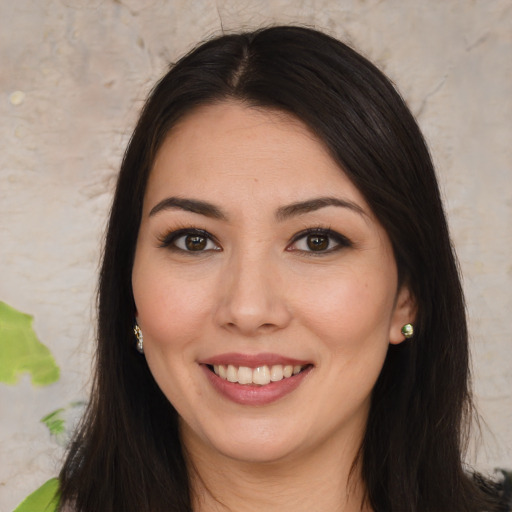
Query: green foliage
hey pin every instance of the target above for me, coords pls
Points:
(45, 499)
(21, 351)
(57, 421)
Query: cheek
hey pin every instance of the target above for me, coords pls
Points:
(169, 310)
(171, 313)
(349, 311)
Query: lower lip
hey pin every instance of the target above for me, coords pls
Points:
(249, 394)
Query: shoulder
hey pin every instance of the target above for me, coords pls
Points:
(506, 489)
(498, 489)
(44, 499)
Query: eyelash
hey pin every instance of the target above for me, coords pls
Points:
(169, 240)
(340, 241)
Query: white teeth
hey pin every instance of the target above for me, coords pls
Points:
(276, 373)
(244, 375)
(260, 376)
(232, 374)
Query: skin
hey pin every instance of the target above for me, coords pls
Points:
(257, 288)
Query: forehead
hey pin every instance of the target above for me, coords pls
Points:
(229, 150)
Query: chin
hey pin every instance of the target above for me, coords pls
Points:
(259, 452)
(246, 441)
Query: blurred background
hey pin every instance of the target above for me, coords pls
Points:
(73, 76)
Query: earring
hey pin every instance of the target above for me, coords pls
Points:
(140, 339)
(408, 331)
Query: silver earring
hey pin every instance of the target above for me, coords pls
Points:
(408, 331)
(140, 339)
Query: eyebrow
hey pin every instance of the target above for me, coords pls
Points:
(302, 207)
(282, 213)
(189, 205)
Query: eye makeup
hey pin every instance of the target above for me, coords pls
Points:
(315, 241)
(189, 240)
(318, 241)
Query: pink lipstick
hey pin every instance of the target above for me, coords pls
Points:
(255, 379)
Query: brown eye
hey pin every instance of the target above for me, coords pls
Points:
(317, 242)
(195, 242)
(190, 241)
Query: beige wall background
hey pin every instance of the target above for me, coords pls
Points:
(73, 75)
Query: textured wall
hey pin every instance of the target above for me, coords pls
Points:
(73, 74)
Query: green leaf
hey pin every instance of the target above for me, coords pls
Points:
(55, 422)
(45, 499)
(21, 351)
(61, 422)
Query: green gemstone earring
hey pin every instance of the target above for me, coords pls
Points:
(408, 331)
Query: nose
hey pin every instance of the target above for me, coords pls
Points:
(252, 298)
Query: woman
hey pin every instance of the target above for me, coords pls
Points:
(278, 245)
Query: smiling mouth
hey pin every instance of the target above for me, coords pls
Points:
(260, 376)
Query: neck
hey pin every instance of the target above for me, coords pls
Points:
(325, 479)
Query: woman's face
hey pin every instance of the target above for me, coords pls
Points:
(257, 258)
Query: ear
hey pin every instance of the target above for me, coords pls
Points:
(404, 313)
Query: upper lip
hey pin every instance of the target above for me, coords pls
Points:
(252, 360)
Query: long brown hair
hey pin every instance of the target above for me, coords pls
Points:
(127, 453)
